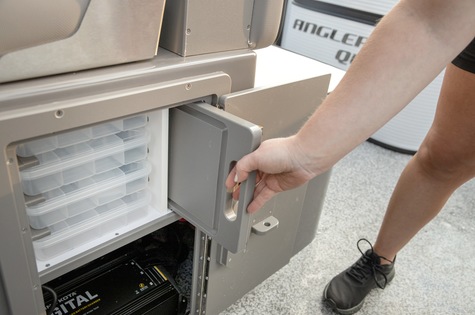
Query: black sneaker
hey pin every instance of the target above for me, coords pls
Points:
(346, 292)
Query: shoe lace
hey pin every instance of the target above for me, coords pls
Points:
(366, 266)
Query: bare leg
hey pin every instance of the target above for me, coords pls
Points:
(445, 160)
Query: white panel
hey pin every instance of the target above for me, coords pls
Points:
(323, 37)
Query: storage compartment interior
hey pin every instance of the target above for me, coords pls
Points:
(85, 187)
(152, 274)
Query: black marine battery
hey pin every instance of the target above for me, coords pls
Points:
(117, 287)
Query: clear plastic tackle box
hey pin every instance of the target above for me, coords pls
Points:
(84, 183)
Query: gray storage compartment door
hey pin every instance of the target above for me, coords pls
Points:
(204, 144)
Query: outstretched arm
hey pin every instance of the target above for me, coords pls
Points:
(405, 52)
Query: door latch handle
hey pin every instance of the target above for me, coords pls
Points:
(265, 225)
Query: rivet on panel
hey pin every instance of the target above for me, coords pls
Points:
(59, 113)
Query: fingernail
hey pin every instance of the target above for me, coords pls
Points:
(236, 178)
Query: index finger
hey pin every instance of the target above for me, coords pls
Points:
(231, 179)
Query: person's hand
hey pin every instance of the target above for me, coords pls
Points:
(280, 166)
